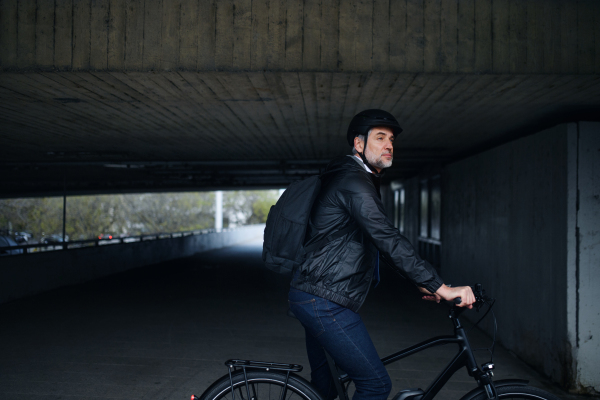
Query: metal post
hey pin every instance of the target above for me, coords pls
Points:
(218, 210)
(64, 235)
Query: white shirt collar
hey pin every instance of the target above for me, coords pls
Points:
(361, 161)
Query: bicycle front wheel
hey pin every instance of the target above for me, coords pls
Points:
(518, 392)
(262, 385)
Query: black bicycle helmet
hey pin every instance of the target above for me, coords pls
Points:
(365, 120)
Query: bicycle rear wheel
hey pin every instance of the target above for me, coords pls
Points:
(518, 392)
(262, 385)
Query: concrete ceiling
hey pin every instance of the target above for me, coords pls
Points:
(115, 96)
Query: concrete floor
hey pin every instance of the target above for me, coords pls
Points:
(163, 332)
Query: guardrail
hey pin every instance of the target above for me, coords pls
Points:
(41, 247)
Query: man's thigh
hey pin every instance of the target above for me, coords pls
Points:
(343, 334)
(346, 339)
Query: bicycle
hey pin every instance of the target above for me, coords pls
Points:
(258, 380)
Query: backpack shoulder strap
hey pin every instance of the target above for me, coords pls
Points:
(321, 243)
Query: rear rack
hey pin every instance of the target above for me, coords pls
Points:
(236, 365)
(243, 364)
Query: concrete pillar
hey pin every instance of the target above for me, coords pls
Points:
(218, 210)
(583, 254)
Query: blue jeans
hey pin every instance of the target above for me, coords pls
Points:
(343, 334)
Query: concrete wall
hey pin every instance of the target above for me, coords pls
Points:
(509, 222)
(412, 210)
(26, 275)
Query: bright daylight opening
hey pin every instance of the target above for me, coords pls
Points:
(28, 221)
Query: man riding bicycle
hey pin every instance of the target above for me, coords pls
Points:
(329, 287)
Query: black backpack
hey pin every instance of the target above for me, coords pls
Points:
(283, 245)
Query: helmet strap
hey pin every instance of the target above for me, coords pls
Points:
(364, 159)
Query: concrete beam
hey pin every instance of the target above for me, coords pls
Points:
(448, 36)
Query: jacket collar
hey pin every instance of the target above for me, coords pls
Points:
(358, 160)
(367, 169)
(346, 162)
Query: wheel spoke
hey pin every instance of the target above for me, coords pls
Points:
(240, 389)
(291, 394)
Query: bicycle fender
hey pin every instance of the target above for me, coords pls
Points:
(497, 384)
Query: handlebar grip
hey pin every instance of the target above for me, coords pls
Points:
(457, 300)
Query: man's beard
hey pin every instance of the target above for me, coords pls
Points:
(378, 162)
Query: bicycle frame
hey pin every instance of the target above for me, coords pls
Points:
(464, 358)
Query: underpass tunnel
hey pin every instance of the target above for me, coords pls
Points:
(495, 176)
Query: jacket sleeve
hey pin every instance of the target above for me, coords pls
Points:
(361, 201)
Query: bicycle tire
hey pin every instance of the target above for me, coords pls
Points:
(264, 385)
(517, 392)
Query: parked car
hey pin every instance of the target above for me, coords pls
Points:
(54, 239)
(7, 241)
(23, 237)
(106, 236)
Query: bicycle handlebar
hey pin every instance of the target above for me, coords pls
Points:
(480, 297)
(479, 293)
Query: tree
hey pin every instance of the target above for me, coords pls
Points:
(38, 216)
(262, 205)
(245, 207)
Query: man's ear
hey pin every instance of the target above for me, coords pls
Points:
(359, 144)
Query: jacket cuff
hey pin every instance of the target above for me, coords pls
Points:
(434, 285)
(435, 282)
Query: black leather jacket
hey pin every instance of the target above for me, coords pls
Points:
(342, 270)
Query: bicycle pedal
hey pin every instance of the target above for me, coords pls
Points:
(409, 394)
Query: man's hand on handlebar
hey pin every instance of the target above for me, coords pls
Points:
(450, 293)
(430, 296)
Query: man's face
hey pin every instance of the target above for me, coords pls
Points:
(380, 147)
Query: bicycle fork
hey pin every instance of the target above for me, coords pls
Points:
(482, 376)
